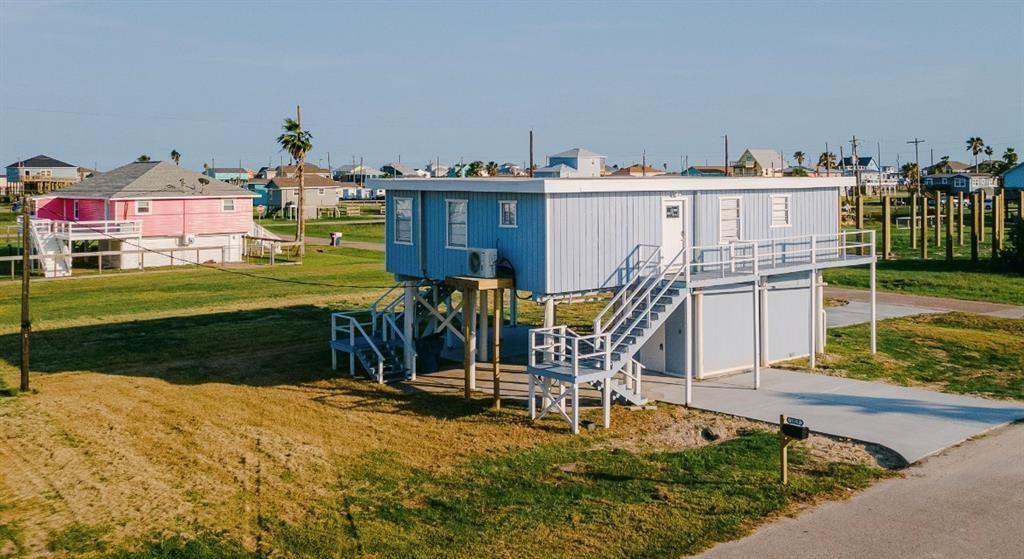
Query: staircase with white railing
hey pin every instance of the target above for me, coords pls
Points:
(653, 289)
(56, 259)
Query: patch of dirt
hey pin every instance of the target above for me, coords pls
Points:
(673, 428)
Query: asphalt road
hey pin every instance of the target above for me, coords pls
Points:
(966, 502)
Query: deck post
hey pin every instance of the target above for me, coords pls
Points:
(408, 325)
(812, 334)
(756, 308)
(481, 343)
(949, 227)
(913, 219)
(549, 322)
(763, 301)
(960, 217)
(575, 405)
(924, 228)
(606, 402)
(981, 214)
(513, 308)
(688, 349)
(698, 334)
(531, 389)
(974, 226)
(822, 326)
(496, 350)
(874, 313)
(468, 345)
(938, 219)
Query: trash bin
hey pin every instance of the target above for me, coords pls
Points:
(336, 239)
(428, 350)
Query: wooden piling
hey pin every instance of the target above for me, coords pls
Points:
(949, 228)
(496, 348)
(924, 227)
(886, 227)
(960, 217)
(976, 213)
(913, 219)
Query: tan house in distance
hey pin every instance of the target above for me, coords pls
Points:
(320, 192)
(759, 163)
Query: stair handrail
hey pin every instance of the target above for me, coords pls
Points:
(683, 269)
(625, 287)
(353, 325)
(390, 320)
(562, 344)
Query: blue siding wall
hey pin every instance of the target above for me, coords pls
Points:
(592, 233)
(523, 245)
(573, 242)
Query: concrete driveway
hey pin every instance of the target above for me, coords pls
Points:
(858, 312)
(913, 422)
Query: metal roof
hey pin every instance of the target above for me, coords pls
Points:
(663, 183)
(576, 152)
(151, 179)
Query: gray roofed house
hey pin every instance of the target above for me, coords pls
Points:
(40, 161)
(152, 179)
(576, 162)
(755, 162)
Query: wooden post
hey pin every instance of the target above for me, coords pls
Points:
(481, 346)
(783, 454)
(469, 339)
(886, 226)
(995, 225)
(924, 227)
(949, 228)
(913, 219)
(496, 349)
(26, 270)
(981, 215)
(1020, 204)
(960, 217)
(938, 219)
(976, 212)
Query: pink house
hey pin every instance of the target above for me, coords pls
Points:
(166, 214)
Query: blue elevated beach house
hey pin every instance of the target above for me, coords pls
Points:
(697, 276)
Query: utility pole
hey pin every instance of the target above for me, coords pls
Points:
(26, 317)
(727, 173)
(531, 152)
(300, 215)
(643, 164)
(915, 195)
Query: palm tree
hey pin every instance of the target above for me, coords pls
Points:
(297, 142)
(910, 172)
(975, 145)
(827, 159)
(1010, 157)
(143, 158)
(492, 169)
(475, 169)
(799, 156)
(175, 156)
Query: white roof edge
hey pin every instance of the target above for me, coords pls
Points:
(606, 184)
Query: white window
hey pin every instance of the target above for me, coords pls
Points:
(227, 205)
(142, 206)
(508, 213)
(780, 211)
(403, 221)
(320, 191)
(457, 219)
(728, 220)
(76, 210)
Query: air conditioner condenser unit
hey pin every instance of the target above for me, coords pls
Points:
(482, 262)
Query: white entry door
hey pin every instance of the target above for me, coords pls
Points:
(673, 228)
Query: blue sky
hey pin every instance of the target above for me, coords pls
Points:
(104, 82)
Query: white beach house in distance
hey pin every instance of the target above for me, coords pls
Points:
(700, 275)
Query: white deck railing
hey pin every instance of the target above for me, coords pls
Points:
(89, 230)
(652, 278)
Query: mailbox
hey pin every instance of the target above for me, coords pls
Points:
(798, 432)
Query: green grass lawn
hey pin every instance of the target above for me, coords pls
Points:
(363, 232)
(959, 279)
(195, 414)
(954, 352)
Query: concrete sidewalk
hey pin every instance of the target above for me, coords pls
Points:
(913, 422)
(857, 312)
(939, 304)
(967, 502)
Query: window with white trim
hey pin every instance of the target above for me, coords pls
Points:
(142, 206)
(728, 220)
(75, 205)
(403, 221)
(227, 205)
(508, 213)
(780, 211)
(458, 223)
